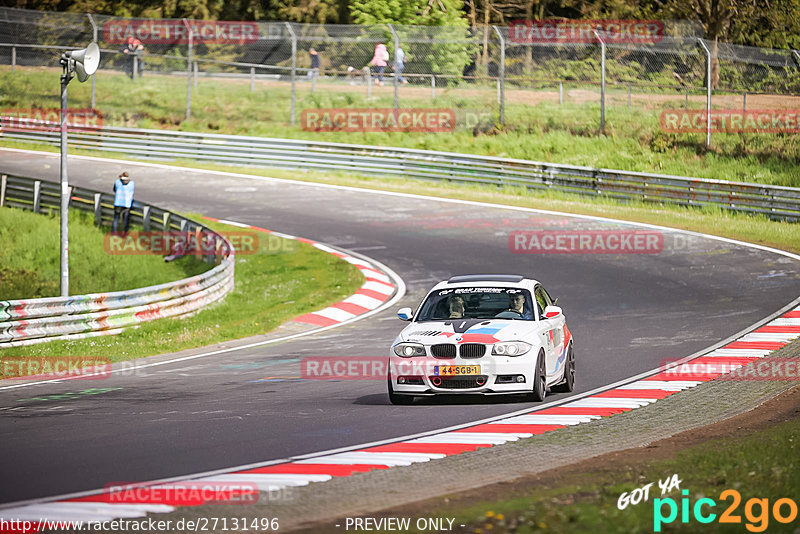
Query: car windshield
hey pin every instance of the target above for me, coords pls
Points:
(477, 303)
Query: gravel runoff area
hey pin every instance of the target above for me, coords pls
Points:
(318, 507)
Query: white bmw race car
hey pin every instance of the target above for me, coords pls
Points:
(485, 334)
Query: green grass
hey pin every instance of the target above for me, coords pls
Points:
(761, 465)
(29, 259)
(545, 131)
(282, 280)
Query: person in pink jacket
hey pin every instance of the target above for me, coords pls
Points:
(379, 60)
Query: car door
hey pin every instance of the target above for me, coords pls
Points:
(552, 331)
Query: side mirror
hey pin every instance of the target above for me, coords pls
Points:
(551, 312)
(405, 314)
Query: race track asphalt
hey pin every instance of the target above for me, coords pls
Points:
(628, 313)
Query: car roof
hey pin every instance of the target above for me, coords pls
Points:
(503, 280)
(513, 278)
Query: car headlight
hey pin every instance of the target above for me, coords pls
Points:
(409, 350)
(510, 348)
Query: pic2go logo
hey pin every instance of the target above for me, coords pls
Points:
(756, 511)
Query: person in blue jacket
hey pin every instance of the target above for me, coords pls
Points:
(123, 200)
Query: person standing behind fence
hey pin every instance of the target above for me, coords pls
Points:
(313, 72)
(123, 200)
(133, 50)
(129, 49)
(399, 64)
(379, 61)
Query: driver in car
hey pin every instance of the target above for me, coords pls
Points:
(456, 306)
(517, 305)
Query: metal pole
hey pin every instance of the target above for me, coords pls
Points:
(189, 72)
(433, 87)
(396, 78)
(602, 81)
(252, 79)
(560, 92)
(13, 58)
(64, 215)
(708, 91)
(629, 95)
(94, 76)
(135, 66)
(502, 78)
(294, 69)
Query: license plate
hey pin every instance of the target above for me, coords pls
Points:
(456, 370)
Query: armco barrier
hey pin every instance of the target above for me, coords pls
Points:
(25, 322)
(773, 201)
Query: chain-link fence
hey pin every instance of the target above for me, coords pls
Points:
(486, 69)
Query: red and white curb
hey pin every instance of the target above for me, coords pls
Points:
(302, 471)
(376, 290)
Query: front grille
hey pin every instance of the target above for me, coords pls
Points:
(472, 350)
(462, 382)
(443, 350)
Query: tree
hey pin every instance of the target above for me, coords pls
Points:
(717, 18)
(443, 50)
(418, 12)
(313, 11)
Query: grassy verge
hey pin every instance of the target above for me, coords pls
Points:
(29, 259)
(536, 127)
(277, 283)
(760, 466)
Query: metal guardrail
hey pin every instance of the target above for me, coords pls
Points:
(776, 202)
(29, 321)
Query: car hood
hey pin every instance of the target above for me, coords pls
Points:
(486, 331)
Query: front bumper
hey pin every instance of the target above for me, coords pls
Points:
(498, 375)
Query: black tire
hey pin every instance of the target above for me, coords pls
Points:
(568, 384)
(397, 399)
(539, 380)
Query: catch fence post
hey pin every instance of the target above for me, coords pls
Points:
(189, 72)
(708, 91)
(294, 69)
(602, 81)
(502, 76)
